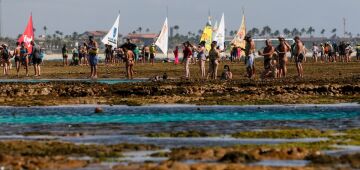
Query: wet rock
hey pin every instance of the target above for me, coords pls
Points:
(237, 157)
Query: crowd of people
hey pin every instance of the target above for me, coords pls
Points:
(275, 58)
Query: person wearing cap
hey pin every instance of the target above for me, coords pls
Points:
(93, 49)
(299, 56)
(282, 49)
(214, 57)
(249, 56)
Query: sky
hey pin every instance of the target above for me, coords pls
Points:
(68, 16)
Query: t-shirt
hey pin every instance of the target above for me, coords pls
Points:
(187, 52)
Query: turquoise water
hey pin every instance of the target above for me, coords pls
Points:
(154, 114)
(102, 81)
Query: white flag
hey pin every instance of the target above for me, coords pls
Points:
(220, 33)
(163, 39)
(112, 37)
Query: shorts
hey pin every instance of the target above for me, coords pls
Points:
(17, 58)
(65, 56)
(300, 58)
(152, 56)
(93, 59)
(250, 60)
(36, 61)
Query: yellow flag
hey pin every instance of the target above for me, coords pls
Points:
(207, 37)
(240, 35)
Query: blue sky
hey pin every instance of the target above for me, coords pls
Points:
(191, 15)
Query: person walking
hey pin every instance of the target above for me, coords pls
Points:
(152, 53)
(5, 57)
(299, 56)
(250, 56)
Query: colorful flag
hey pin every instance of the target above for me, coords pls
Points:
(28, 35)
(163, 39)
(220, 33)
(240, 35)
(112, 37)
(207, 35)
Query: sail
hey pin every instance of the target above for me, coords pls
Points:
(28, 35)
(163, 39)
(240, 35)
(112, 37)
(215, 28)
(220, 33)
(207, 35)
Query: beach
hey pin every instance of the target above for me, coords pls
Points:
(50, 122)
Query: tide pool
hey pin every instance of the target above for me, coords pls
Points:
(175, 113)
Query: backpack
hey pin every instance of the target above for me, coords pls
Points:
(6, 53)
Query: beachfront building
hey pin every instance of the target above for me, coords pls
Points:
(142, 39)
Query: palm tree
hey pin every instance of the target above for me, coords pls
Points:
(176, 27)
(231, 33)
(276, 33)
(75, 35)
(322, 32)
(139, 29)
(303, 31)
(45, 29)
(266, 30)
(334, 32)
(286, 32)
(147, 30)
(310, 31)
(295, 32)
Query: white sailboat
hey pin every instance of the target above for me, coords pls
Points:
(220, 33)
(163, 40)
(112, 37)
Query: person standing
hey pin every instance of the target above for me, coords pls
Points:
(315, 50)
(92, 48)
(17, 58)
(187, 58)
(152, 53)
(201, 57)
(129, 62)
(282, 51)
(24, 57)
(214, 57)
(36, 59)
(268, 53)
(65, 51)
(176, 55)
(136, 54)
(299, 56)
(108, 54)
(5, 57)
(250, 56)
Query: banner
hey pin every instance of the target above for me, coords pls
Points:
(207, 35)
(28, 35)
(220, 33)
(240, 35)
(112, 37)
(163, 39)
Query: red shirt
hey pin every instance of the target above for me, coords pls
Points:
(187, 52)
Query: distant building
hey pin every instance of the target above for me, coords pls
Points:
(142, 39)
(98, 35)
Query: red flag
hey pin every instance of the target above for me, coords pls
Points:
(28, 35)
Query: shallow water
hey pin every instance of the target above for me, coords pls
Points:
(175, 113)
(120, 120)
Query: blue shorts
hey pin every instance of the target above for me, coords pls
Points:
(93, 59)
